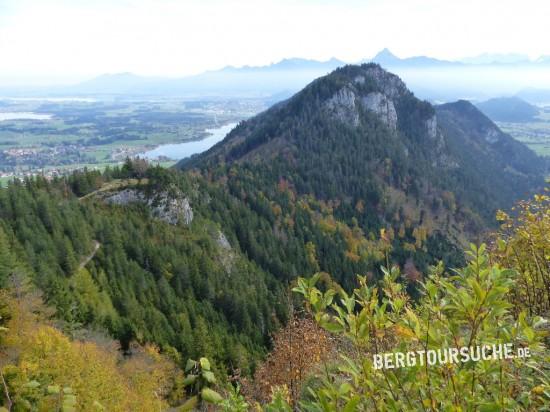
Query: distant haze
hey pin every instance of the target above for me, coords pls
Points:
(66, 41)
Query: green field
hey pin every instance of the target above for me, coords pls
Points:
(97, 133)
(535, 135)
(4, 181)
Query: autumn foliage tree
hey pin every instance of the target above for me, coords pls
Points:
(297, 349)
(43, 369)
(524, 244)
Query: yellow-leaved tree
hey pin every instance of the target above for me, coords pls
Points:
(524, 244)
(42, 369)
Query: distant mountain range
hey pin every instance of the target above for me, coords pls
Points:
(282, 78)
(387, 59)
(477, 78)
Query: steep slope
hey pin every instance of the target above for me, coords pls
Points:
(495, 169)
(161, 274)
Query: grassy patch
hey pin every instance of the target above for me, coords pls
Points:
(4, 181)
(536, 134)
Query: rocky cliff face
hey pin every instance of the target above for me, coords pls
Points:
(170, 209)
(431, 126)
(342, 106)
(345, 103)
(383, 106)
(226, 254)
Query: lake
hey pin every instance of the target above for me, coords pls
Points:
(23, 116)
(178, 151)
(50, 99)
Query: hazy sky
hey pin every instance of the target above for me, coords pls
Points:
(65, 40)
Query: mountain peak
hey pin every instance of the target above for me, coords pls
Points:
(385, 55)
(354, 97)
(508, 109)
(361, 124)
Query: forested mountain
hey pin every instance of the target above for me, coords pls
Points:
(493, 165)
(359, 136)
(508, 109)
(141, 277)
(350, 174)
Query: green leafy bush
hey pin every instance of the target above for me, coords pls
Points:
(467, 308)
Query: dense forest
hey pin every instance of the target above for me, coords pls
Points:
(266, 274)
(148, 281)
(98, 282)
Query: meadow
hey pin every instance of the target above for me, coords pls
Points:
(535, 134)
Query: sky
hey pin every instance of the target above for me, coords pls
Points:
(63, 41)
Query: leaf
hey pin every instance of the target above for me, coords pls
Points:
(189, 380)
(351, 405)
(189, 404)
(480, 293)
(404, 332)
(529, 334)
(332, 327)
(205, 364)
(53, 389)
(345, 388)
(211, 396)
(209, 376)
(69, 403)
(32, 384)
(190, 365)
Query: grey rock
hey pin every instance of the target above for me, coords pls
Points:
(222, 241)
(431, 126)
(170, 209)
(390, 85)
(385, 109)
(342, 106)
(124, 197)
(226, 254)
(492, 136)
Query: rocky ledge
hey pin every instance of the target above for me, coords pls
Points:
(168, 208)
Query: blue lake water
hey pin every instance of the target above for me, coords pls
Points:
(23, 116)
(177, 151)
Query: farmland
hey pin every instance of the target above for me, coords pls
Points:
(534, 134)
(69, 134)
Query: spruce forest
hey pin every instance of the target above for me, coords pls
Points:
(350, 221)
